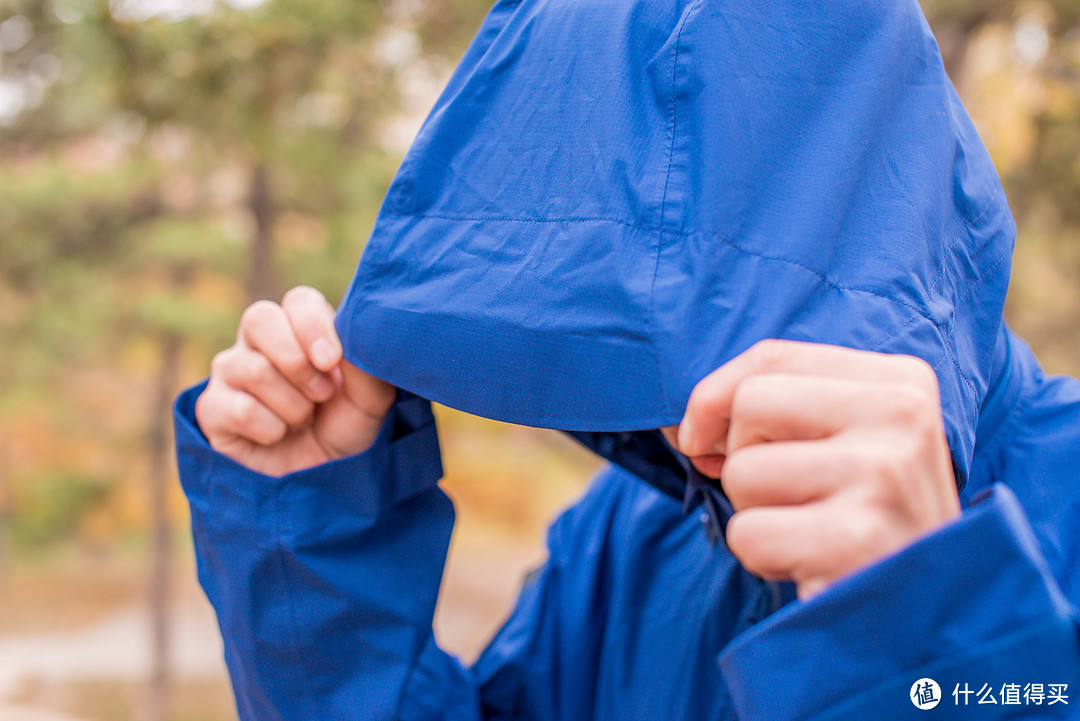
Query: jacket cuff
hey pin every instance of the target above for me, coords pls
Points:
(403, 461)
(323, 580)
(969, 605)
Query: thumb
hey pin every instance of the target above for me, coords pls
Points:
(369, 394)
(349, 422)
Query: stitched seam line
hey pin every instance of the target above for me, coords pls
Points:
(964, 297)
(593, 218)
(949, 325)
(933, 287)
(674, 117)
(757, 254)
(663, 202)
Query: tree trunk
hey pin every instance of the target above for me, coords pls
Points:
(954, 36)
(160, 477)
(262, 283)
(953, 39)
(5, 521)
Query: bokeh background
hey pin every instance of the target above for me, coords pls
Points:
(165, 162)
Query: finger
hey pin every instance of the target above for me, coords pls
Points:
(812, 545)
(791, 473)
(705, 424)
(372, 396)
(312, 319)
(785, 407)
(228, 414)
(710, 466)
(774, 542)
(250, 371)
(266, 328)
(349, 422)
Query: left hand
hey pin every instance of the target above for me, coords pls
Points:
(833, 458)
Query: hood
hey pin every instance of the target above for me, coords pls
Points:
(613, 198)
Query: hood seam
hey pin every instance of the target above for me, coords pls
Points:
(756, 254)
(653, 321)
(723, 239)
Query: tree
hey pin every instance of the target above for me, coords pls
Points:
(158, 171)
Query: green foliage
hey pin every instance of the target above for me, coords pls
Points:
(1057, 163)
(50, 505)
(160, 171)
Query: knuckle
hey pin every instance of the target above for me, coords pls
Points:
(769, 354)
(869, 461)
(709, 398)
(258, 371)
(749, 392)
(242, 411)
(881, 472)
(742, 539)
(203, 412)
(258, 315)
(219, 364)
(864, 538)
(298, 413)
(908, 406)
(920, 373)
(273, 432)
(895, 469)
(294, 365)
(300, 295)
(703, 402)
(737, 476)
(218, 444)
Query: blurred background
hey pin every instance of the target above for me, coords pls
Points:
(165, 162)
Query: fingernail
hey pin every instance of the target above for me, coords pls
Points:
(686, 436)
(323, 354)
(321, 387)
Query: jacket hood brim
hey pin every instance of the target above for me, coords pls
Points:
(610, 200)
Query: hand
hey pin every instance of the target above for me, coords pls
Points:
(283, 398)
(832, 458)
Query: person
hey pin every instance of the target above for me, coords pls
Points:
(753, 254)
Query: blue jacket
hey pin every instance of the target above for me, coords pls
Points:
(610, 200)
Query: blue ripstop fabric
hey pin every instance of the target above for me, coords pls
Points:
(611, 199)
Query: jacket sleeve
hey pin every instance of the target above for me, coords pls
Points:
(973, 607)
(324, 581)
(543, 662)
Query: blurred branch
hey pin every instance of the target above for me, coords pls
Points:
(161, 478)
(261, 281)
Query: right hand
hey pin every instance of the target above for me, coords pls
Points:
(283, 398)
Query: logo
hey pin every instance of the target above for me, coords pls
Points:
(925, 694)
